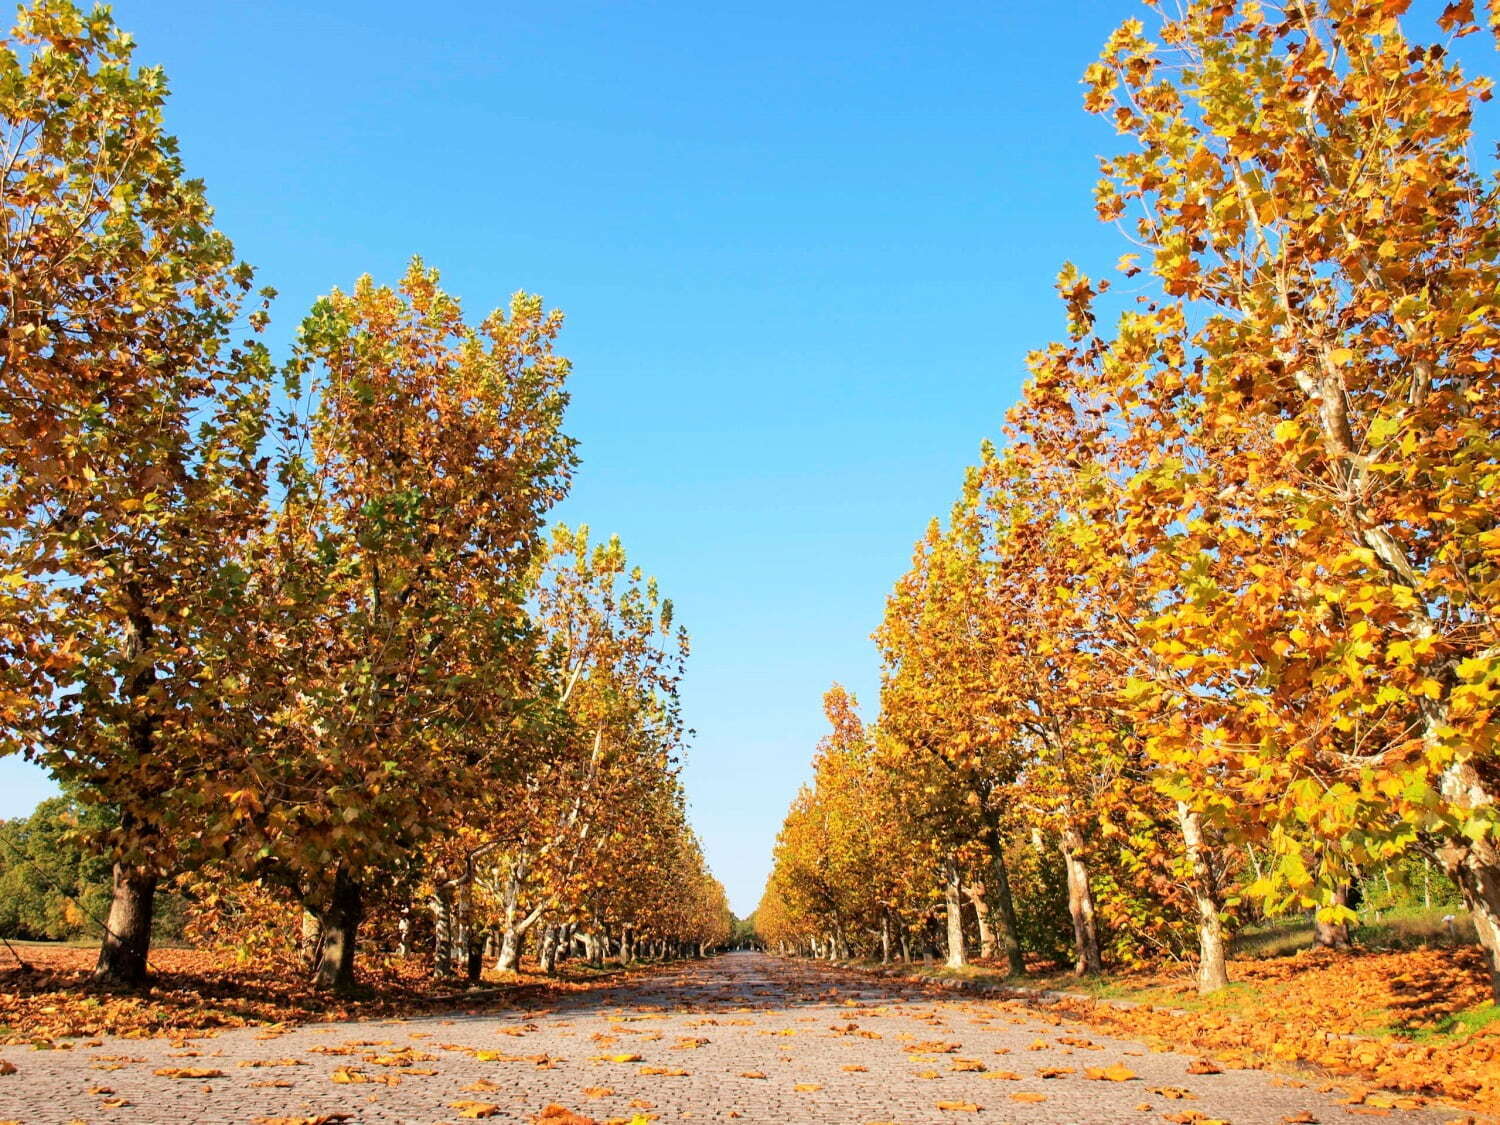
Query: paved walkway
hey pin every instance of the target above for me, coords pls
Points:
(741, 1036)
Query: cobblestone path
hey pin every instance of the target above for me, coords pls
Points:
(741, 1036)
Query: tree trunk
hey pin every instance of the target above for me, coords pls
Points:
(1479, 883)
(510, 951)
(310, 944)
(953, 903)
(976, 893)
(1213, 973)
(127, 935)
(442, 934)
(1081, 906)
(1475, 866)
(1003, 919)
(885, 939)
(340, 917)
(474, 954)
(1333, 935)
(403, 930)
(547, 955)
(463, 909)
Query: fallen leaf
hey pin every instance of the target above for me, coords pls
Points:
(187, 1072)
(1116, 1072)
(1204, 1066)
(958, 1107)
(467, 1107)
(559, 1115)
(1028, 1096)
(932, 1047)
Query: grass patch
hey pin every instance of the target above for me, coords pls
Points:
(1407, 928)
(1452, 1027)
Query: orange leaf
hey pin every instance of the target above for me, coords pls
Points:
(1116, 1072)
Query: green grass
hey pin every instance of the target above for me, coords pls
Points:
(70, 943)
(1460, 1025)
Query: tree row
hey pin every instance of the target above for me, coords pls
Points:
(1216, 627)
(299, 623)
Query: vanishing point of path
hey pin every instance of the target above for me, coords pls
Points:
(741, 1036)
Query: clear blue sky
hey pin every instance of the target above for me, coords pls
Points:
(803, 249)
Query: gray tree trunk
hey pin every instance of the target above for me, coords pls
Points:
(953, 906)
(1213, 970)
(1081, 906)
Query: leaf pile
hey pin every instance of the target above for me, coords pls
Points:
(1354, 1015)
(198, 990)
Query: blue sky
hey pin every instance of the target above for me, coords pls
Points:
(803, 249)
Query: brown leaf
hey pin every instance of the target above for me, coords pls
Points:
(187, 1072)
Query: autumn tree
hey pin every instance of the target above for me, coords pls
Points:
(937, 710)
(1315, 384)
(613, 658)
(394, 581)
(129, 465)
